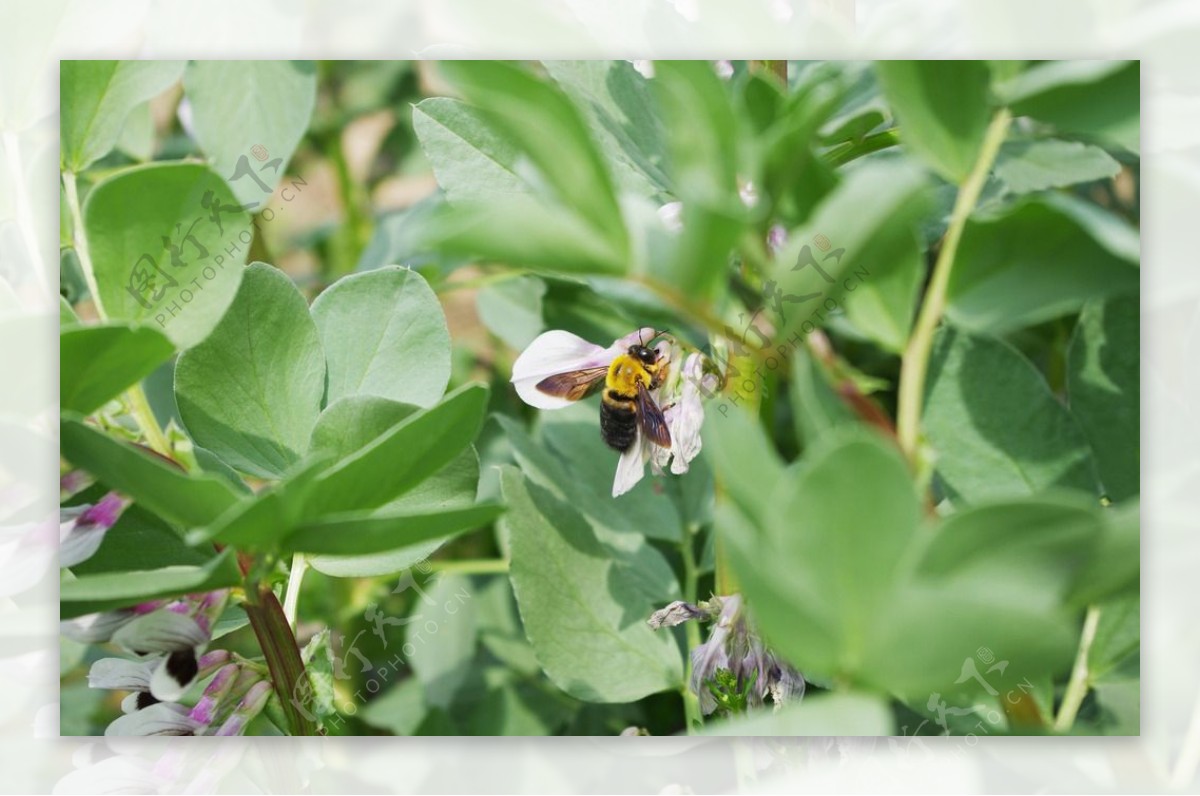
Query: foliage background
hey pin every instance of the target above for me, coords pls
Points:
(1045, 264)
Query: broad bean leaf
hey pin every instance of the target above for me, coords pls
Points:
(160, 257)
(1036, 165)
(1040, 260)
(1063, 93)
(384, 334)
(583, 612)
(443, 653)
(187, 500)
(97, 97)
(471, 159)
(97, 362)
(108, 590)
(251, 392)
(248, 117)
(943, 108)
(1104, 384)
(995, 427)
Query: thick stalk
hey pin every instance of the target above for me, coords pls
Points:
(279, 647)
(1077, 686)
(915, 364)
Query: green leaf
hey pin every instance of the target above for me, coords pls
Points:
(816, 406)
(240, 105)
(137, 136)
(1063, 93)
(617, 103)
(838, 585)
(523, 231)
(869, 222)
(251, 392)
(584, 613)
(139, 222)
(261, 521)
(1103, 378)
(353, 423)
(96, 363)
(365, 533)
(409, 453)
(701, 134)
(96, 99)
(444, 650)
(741, 455)
(547, 129)
(943, 108)
(140, 541)
(108, 590)
(512, 309)
(384, 334)
(188, 500)
(996, 428)
(841, 713)
(1026, 166)
(66, 313)
(400, 709)
(1034, 263)
(1114, 569)
(470, 159)
(882, 304)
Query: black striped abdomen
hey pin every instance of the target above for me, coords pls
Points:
(618, 421)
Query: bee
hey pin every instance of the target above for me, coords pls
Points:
(626, 403)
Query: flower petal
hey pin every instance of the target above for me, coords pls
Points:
(674, 614)
(174, 674)
(121, 674)
(551, 353)
(81, 529)
(163, 718)
(631, 466)
(250, 706)
(688, 416)
(160, 631)
(95, 628)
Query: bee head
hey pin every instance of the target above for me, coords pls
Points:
(646, 355)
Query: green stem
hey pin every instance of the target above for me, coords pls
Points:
(1077, 686)
(691, 577)
(291, 595)
(80, 240)
(469, 566)
(915, 364)
(139, 407)
(282, 654)
(842, 154)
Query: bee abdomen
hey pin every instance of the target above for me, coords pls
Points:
(618, 425)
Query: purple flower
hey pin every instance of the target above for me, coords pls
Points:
(81, 529)
(734, 653)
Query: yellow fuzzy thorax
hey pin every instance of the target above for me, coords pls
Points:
(626, 372)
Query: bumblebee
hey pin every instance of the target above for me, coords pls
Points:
(626, 403)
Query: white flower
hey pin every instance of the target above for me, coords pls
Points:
(679, 396)
(557, 352)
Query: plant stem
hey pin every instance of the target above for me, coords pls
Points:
(468, 566)
(915, 364)
(291, 596)
(139, 407)
(278, 643)
(691, 702)
(80, 240)
(842, 154)
(1077, 686)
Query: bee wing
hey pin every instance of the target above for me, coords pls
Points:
(651, 419)
(575, 384)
